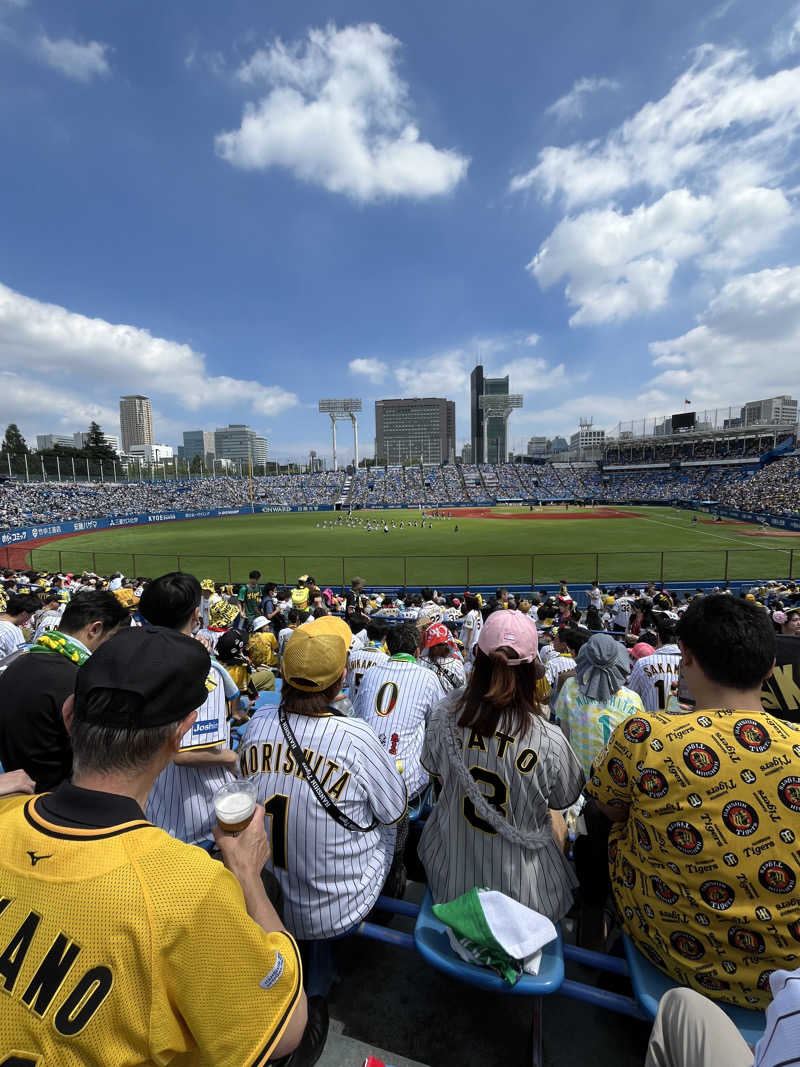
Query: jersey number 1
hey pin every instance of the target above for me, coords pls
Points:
(277, 807)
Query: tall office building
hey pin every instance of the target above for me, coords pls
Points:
(415, 429)
(497, 444)
(46, 441)
(239, 443)
(198, 443)
(135, 421)
(777, 410)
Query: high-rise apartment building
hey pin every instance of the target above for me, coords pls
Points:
(239, 443)
(497, 449)
(413, 430)
(135, 421)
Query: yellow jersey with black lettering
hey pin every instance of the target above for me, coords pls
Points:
(121, 947)
(705, 868)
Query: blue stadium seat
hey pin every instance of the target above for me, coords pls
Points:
(430, 937)
(650, 985)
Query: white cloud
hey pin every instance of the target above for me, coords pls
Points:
(571, 105)
(529, 375)
(81, 62)
(532, 339)
(744, 347)
(786, 40)
(442, 374)
(337, 115)
(375, 370)
(65, 347)
(708, 158)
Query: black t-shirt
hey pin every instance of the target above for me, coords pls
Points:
(780, 694)
(32, 732)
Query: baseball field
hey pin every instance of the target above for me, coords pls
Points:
(512, 546)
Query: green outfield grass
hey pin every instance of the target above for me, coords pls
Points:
(483, 551)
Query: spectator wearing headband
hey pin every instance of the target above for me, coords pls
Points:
(503, 769)
(440, 655)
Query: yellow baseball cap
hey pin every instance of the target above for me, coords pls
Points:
(313, 661)
(331, 625)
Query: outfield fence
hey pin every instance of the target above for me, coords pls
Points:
(394, 571)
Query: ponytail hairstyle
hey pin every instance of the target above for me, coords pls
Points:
(499, 696)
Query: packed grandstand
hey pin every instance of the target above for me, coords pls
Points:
(764, 484)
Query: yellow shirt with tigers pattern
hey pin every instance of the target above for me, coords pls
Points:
(122, 946)
(705, 868)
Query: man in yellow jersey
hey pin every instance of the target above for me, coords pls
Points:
(703, 853)
(119, 944)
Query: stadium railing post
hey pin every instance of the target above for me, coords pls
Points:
(134, 572)
(230, 571)
(791, 563)
(725, 576)
(597, 568)
(285, 581)
(60, 563)
(531, 572)
(467, 585)
(180, 568)
(661, 571)
(405, 573)
(342, 562)
(94, 562)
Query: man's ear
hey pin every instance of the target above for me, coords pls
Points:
(181, 729)
(68, 712)
(770, 672)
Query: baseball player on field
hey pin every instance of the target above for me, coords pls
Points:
(181, 800)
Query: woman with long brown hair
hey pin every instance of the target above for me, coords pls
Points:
(505, 773)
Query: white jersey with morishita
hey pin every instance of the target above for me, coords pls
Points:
(330, 876)
(652, 676)
(395, 699)
(471, 631)
(359, 661)
(182, 798)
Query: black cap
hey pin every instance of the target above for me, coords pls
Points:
(167, 669)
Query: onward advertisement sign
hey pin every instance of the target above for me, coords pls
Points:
(112, 522)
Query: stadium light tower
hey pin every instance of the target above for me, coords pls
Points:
(497, 406)
(342, 409)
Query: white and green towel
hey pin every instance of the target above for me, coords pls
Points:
(492, 930)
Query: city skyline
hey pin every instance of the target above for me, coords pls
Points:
(302, 197)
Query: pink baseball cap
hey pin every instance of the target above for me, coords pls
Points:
(641, 648)
(511, 629)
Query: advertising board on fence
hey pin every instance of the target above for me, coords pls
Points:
(59, 529)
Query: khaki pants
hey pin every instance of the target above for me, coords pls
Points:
(691, 1031)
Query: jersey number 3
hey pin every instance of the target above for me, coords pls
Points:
(498, 799)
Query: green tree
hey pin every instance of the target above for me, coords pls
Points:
(196, 466)
(14, 442)
(97, 447)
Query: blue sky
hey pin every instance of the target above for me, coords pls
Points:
(237, 208)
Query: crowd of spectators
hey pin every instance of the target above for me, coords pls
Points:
(572, 715)
(773, 489)
(624, 452)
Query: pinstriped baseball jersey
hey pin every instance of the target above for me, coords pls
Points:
(181, 800)
(521, 776)
(652, 676)
(449, 672)
(396, 699)
(359, 662)
(556, 666)
(330, 877)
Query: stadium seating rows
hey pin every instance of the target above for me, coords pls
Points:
(773, 488)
